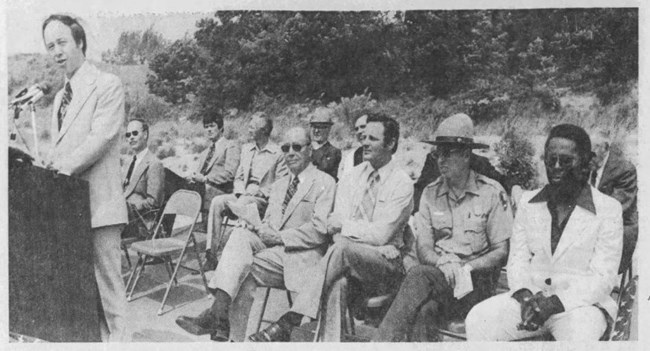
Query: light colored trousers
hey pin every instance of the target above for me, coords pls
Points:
(107, 261)
(246, 264)
(496, 319)
(215, 216)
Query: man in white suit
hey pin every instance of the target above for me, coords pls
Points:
(564, 254)
(293, 238)
(87, 118)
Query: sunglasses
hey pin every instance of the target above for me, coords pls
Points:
(296, 147)
(358, 128)
(134, 133)
(563, 160)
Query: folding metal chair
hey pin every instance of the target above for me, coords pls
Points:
(182, 203)
(264, 303)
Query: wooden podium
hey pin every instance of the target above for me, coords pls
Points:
(52, 291)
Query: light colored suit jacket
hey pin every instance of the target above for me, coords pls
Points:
(392, 208)
(303, 226)
(86, 146)
(146, 189)
(221, 169)
(582, 270)
(273, 163)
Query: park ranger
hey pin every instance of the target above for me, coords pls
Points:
(462, 228)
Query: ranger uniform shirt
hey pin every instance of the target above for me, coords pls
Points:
(466, 226)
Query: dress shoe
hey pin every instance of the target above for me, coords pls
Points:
(205, 323)
(273, 333)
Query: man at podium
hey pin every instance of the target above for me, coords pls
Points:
(87, 117)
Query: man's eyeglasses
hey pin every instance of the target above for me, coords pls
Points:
(358, 128)
(134, 133)
(446, 152)
(296, 147)
(563, 160)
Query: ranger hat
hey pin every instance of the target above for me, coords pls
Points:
(457, 129)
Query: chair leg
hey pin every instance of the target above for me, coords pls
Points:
(266, 300)
(198, 260)
(289, 298)
(126, 254)
(169, 285)
(169, 266)
(139, 267)
(128, 282)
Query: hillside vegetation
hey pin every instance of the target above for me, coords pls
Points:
(516, 73)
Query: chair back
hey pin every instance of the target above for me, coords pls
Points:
(183, 203)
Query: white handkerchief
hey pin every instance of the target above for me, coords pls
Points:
(464, 284)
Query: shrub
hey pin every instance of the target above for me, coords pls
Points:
(516, 159)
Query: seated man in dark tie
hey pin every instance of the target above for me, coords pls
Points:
(291, 240)
(463, 226)
(615, 176)
(144, 182)
(325, 156)
(372, 207)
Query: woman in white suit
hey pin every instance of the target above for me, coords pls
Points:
(564, 254)
(87, 118)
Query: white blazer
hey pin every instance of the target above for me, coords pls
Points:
(86, 146)
(583, 269)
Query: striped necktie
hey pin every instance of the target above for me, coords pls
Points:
(290, 192)
(366, 207)
(65, 101)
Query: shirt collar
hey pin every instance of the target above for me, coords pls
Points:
(302, 175)
(585, 198)
(77, 76)
(140, 155)
(267, 148)
(471, 186)
(383, 172)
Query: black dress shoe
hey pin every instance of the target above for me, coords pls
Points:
(273, 333)
(205, 323)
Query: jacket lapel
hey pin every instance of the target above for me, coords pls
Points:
(609, 170)
(301, 192)
(580, 221)
(542, 222)
(137, 174)
(217, 149)
(86, 87)
(247, 158)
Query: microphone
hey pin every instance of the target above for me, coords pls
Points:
(32, 94)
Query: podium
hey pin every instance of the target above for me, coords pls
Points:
(52, 290)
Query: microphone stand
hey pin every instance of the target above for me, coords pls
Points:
(17, 110)
(37, 157)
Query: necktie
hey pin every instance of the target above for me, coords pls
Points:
(594, 175)
(366, 207)
(204, 169)
(130, 171)
(290, 192)
(65, 101)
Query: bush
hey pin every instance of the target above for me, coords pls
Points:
(516, 159)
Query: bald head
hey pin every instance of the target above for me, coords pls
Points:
(296, 146)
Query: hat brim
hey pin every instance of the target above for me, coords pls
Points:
(469, 145)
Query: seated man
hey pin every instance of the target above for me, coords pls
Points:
(615, 176)
(564, 254)
(326, 156)
(430, 172)
(372, 207)
(217, 163)
(464, 223)
(144, 181)
(355, 156)
(261, 164)
(280, 253)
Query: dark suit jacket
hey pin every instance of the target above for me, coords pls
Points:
(430, 172)
(327, 159)
(619, 181)
(147, 185)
